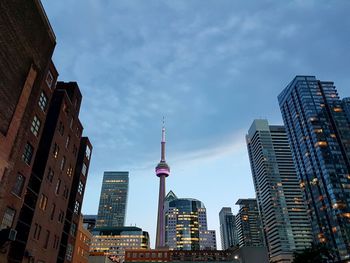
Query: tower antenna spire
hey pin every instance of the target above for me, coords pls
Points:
(163, 141)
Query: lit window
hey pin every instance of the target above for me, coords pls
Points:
(69, 252)
(49, 79)
(81, 188)
(18, 187)
(76, 207)
(83, 169)
(35, 125)
(88, 152)
(43, 202)
(70, 171)
(28, 153)
(56, 150)
(42, 101)
(7, 220)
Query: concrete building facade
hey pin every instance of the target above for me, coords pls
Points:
(286, 225)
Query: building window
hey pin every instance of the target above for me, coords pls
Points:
(18, 187)
(63, 162)
(7, 220)
(80, 188)
(28, 153)
(47, 238)
(43, 202)
(49, 79)
(70, 171)
(65, 192)
(69, 252)
(61, 216)
(75, 150)
(88, 152)
(67, 141)
(58, 186)
(35, 125)
(53, 208)
(73, 229)
(56, 150)
(83, 169)
(50, 175)
(55, 242)
(76, 207)
(61, 128)
(42, 101)
(37, 231)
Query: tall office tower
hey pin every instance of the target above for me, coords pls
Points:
(186, 224)
(283, 211)
(319, 134)
(52, 200)
(113, 199)
(248, 223)
(228, 230)
(162, 171)
(346, 105)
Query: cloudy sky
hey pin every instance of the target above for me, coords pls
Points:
(209, 67)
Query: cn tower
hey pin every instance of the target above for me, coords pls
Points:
(162, 171)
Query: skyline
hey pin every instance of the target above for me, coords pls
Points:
(203, 92)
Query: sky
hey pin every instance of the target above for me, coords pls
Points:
(209, 67)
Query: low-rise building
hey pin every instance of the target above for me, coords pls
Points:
(114, 241)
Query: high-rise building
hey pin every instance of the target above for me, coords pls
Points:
(346, 106)
(113, 199)
(162, 171)
(113, 241)
(283, 211)
(228, 230)
(186, 224)
(248, 223)
(319, 135)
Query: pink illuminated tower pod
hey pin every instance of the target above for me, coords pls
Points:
(162, 171)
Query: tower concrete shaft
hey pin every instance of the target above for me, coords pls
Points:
(162, 171)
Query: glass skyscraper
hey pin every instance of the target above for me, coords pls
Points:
(248, 223)
(186, 224)
(319, 134)
(283, 211)
(113, 200)
(228, 231)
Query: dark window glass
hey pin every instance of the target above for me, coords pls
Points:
(18, 187)
(27, 153)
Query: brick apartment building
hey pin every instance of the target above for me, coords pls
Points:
(44, 159)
